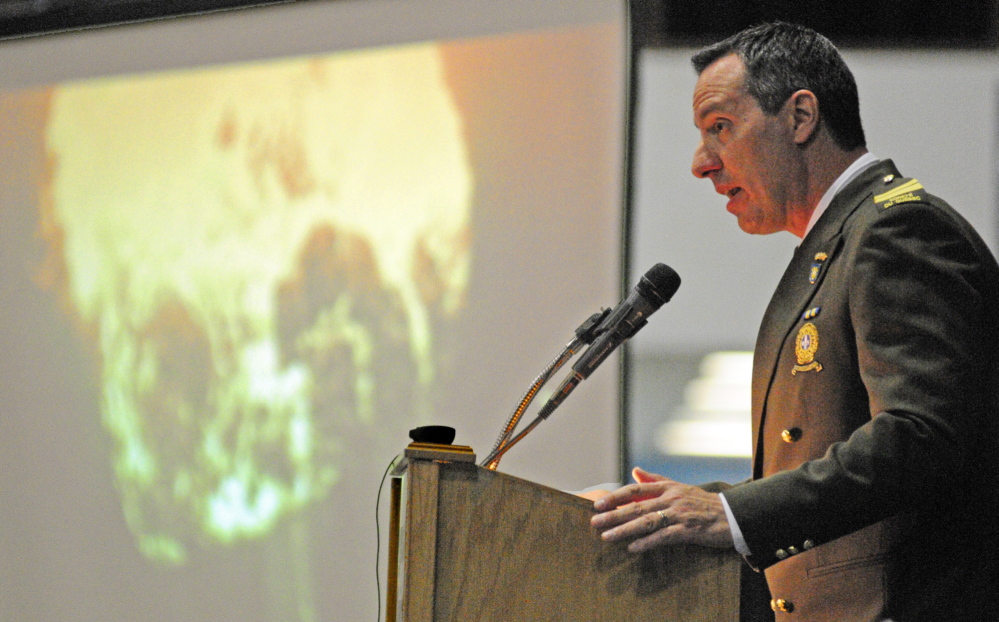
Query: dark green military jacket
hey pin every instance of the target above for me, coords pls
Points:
(875, 410)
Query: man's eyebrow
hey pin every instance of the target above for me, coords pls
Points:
(706, 110)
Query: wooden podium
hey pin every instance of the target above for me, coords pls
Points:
(481, 546)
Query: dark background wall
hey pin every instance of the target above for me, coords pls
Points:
(876, 23)
(657, 23)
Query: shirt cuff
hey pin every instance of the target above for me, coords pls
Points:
(737, 537)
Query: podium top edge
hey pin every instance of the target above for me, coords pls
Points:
(444, 453)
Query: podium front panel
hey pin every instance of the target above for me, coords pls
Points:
(487, 547)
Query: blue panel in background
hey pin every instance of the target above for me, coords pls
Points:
(698, 469)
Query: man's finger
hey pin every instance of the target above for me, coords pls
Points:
(644, 477)
(631, 493)
(663, 536)
(630, 526)
(612, 518)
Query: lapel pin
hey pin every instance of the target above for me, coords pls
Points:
(813, 274)
(811, 313)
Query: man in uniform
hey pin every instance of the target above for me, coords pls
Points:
(876, 374)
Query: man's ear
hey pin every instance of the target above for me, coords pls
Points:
(804, 114)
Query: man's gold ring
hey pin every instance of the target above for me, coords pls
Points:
(662, 516)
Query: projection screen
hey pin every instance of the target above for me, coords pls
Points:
(244, 253)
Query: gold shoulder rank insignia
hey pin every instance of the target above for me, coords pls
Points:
(805, 347)
(911, 190)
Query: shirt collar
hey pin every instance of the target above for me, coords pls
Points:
(859, 165)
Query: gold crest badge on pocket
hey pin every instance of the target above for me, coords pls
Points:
(805, 347)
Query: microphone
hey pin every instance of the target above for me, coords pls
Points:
(654, 289)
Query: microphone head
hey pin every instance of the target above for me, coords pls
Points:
(659, 284)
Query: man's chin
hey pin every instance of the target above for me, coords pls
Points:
(755, 226)
(749, 219)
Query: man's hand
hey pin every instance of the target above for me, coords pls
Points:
(657, 511)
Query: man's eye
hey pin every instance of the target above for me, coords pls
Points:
(714, 128)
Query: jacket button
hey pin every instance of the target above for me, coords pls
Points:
(808, 545)
(780, 554)
(793, 550)
(791, 435)
(780, 604)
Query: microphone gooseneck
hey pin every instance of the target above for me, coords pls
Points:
(656, 287)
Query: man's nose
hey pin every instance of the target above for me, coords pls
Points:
(704, 162)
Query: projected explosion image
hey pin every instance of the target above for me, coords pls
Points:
(266, 259)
